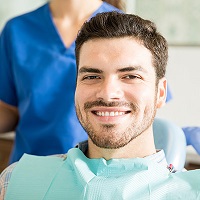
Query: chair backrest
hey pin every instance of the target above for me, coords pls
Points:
(170, 137)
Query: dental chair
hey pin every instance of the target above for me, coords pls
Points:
(170, 137)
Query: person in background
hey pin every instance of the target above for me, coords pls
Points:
(38, 73)
(121, 65)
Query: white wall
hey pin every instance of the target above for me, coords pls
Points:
(11, 8)
(183, 76)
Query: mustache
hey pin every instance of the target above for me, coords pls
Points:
(89, 105)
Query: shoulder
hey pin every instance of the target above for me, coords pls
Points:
(106, 7)
(5, 176)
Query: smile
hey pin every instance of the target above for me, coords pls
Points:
(110, 114)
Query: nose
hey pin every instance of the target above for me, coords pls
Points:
(110, 89)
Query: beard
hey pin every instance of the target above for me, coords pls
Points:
(109, 136)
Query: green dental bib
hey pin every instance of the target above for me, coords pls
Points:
(78, 177)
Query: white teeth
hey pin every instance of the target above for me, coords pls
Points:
(106, 114)
(110, 114)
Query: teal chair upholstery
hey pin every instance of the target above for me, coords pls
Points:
(170, 137)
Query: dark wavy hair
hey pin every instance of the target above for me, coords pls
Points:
(119, 25)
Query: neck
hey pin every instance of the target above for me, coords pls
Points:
(139, 147)
(73, 8)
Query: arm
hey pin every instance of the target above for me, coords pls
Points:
(8, 111)
(9, 117)
(5, 179)
(192, 134)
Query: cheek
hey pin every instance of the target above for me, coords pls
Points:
(82, 96)
(85, 92)
(78, 99)
(142, 95)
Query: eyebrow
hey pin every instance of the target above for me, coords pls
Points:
(131, 68)
(90, 70)
(124, 69)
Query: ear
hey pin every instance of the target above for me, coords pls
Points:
(162, 92)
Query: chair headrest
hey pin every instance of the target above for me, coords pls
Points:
(170, 137)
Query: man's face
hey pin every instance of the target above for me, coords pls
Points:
(116, 95)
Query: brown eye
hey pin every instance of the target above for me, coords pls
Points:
(91, 77)
(132, 77)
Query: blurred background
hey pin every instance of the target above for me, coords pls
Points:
(179, 22)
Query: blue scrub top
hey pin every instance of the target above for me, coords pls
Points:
(38, 74)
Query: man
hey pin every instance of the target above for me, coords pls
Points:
(121, 64)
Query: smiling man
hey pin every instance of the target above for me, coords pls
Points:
(120, 98)
(120, 85)
(121, 64)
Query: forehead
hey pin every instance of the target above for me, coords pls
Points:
(107, 53)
